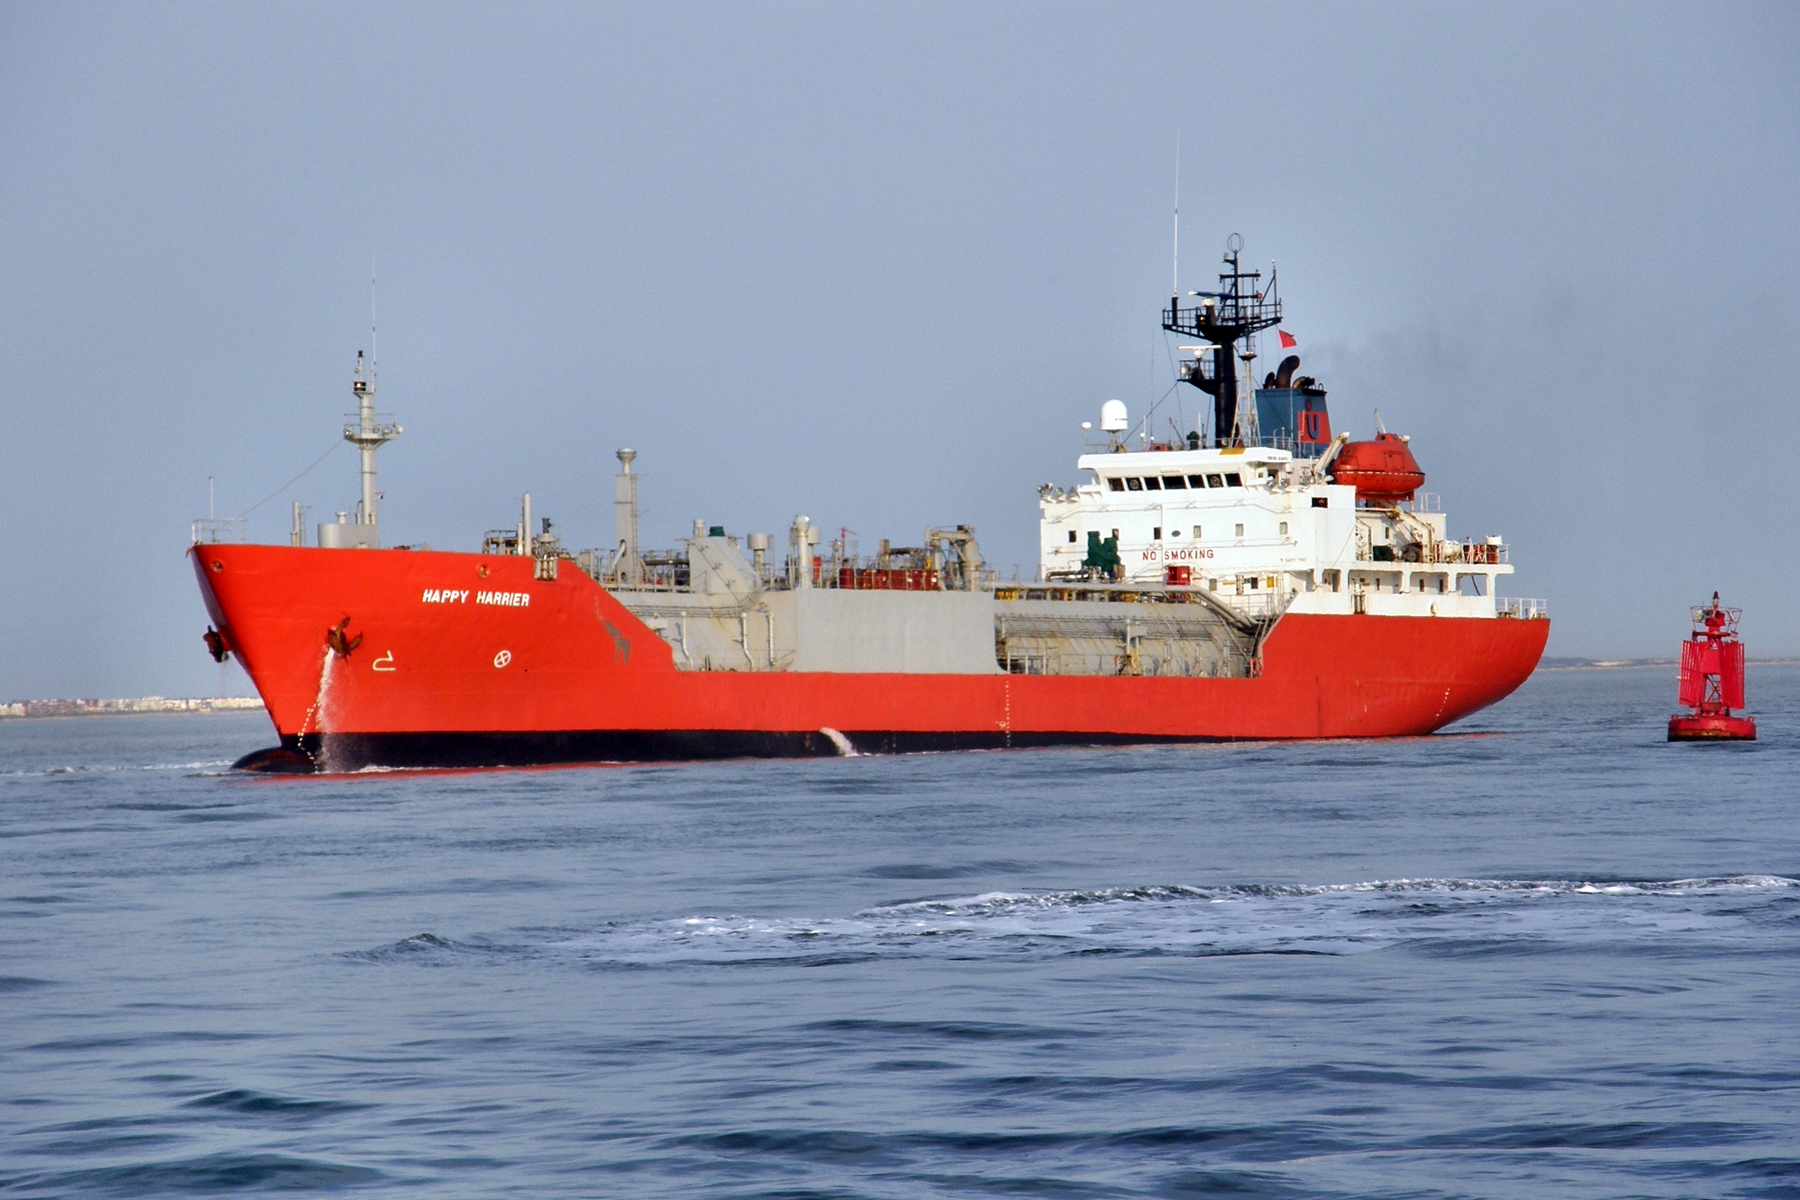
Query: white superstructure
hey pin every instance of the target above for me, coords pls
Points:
(1263, 532)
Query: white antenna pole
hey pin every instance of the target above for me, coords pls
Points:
(368, 434)
(209, 498)
(1175, 272)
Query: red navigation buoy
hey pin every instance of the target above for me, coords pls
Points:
(1712, 679)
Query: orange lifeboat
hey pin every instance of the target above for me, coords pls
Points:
(1383, 470)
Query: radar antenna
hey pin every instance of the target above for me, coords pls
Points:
(1240, 308)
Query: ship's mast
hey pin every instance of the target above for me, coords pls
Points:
(368, 431)
(1241, 307)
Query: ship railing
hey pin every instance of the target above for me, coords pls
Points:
(384, 426)
(500, 541)
(1475, 553)
(1432, 553)
(903, 570)
(647, 584)
(211, 530)
(1521, 608)
(1302, 451)
(1424, 502)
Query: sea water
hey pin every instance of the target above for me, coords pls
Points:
(1543, 954)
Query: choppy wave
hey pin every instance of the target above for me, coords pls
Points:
(204, 766)
(222, 1172)
(249, 1102)
(1189, 921)
(420, 947)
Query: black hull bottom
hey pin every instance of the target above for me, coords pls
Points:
(332, 753)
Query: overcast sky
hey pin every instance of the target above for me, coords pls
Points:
(876, 263)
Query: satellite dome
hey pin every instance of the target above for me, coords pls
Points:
(1113, 418)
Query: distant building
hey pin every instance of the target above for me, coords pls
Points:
(111, 708)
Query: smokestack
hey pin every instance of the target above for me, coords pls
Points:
(628, 568)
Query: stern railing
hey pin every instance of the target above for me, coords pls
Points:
(1521, 608)
(211, 530)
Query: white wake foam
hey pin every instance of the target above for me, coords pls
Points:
(113, 768)
(1276, 919)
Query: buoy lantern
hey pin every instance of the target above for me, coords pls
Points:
(1712, 679)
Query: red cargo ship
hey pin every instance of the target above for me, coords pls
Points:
(1267, 581)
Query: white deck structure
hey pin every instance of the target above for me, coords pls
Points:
(1262, 531)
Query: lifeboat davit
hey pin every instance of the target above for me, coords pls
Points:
(1383, 470)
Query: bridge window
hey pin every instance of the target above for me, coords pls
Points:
(1115, 483)
(1133, 483)
(1196, 481)
(1071, 535)
(1156, 533)
(1152, 484)
(1233, 479)
(1174, 483)
(1215, 481)
(1321, 502)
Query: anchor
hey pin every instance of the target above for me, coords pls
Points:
(342, 645)
(215, 644)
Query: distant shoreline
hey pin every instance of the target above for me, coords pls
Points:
(26, 710)
(1625, 664)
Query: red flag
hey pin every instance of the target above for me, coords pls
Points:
(1288, 341)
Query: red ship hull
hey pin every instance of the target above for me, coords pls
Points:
(569, 675)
